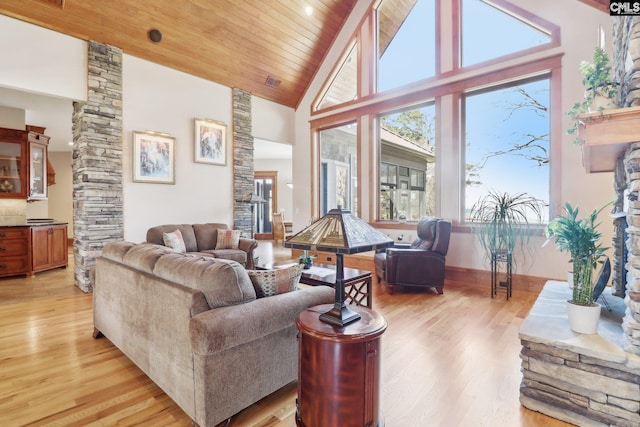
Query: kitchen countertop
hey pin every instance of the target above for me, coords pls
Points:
(38, 223)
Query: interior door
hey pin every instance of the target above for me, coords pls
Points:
(266, 186)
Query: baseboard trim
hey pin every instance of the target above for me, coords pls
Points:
(519, 282)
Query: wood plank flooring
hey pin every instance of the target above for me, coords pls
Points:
(448, 360)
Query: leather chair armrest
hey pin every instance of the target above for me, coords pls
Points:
(398, 245)
(414, 266)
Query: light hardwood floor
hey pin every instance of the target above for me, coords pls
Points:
(448, 360)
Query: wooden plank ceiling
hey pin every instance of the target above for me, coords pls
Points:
(237, 43)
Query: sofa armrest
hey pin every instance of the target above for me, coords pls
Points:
(226, 327)
(248, 246)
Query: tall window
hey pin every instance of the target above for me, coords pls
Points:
(338, 168)
(407, 164)
(507, 141)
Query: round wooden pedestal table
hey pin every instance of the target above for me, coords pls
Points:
(339, 370)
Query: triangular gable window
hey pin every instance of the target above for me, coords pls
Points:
(343, 85)
(406, 42)
(488, 33)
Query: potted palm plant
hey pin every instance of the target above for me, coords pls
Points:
(580, 238)
(504, 221)
(601, 91)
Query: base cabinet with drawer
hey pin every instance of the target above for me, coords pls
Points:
(31, 249)
(49, 248)
(15, 251)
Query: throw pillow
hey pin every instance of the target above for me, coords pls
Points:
(174, 241)
(228, 239)
(273, 282)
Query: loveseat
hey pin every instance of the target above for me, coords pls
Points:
(194, 325)
(205, 238)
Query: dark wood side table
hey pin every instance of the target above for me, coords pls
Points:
(339, 370)
(357, 283)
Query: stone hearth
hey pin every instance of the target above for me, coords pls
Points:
(587, 380)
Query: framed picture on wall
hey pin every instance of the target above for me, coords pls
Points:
(210, 145)
(153, 158)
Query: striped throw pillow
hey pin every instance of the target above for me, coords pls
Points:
(228, 239)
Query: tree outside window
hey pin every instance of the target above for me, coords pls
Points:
(338, 168)
(507, 141)
(407, 164)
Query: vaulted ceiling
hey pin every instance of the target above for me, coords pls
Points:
(270, 48)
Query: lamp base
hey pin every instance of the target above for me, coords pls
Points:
(340, 315)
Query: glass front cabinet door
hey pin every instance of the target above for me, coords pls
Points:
(12, 169)
(37, 171)
(23, 164)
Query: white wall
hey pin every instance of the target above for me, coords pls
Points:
(38, 60)
(579, 37)
(271, 121)
(160, 99)
(61, 193)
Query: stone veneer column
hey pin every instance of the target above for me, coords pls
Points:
(97, 161)
(242, 159)
(626, 63)
(631, 321)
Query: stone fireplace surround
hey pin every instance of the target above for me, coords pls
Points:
(594, 380)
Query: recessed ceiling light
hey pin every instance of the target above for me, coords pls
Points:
(308, 10)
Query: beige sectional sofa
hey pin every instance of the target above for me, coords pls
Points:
(203, 238)
(193, 324)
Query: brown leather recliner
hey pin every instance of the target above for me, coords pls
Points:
(421, 265)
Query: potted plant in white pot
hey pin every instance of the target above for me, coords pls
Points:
(580, 238)
(601, 90)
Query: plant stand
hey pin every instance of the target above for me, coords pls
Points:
(501, 273)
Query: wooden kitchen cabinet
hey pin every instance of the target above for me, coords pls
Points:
(38, 157)
(13, 164)
(15, 256)
(23, 163)
(49, 247)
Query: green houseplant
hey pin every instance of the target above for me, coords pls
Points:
(601, 91)
(504, 220)
(580, 238)
(306, 259)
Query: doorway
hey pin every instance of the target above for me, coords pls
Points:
(266, 186)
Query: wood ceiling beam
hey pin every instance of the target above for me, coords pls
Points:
(602, 5)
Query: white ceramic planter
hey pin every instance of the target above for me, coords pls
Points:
(583, 319)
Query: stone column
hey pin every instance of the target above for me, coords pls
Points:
(242, 159)
(97, 161)
(631, 321)
(626, 62)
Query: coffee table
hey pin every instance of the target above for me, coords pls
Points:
(357, 283)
